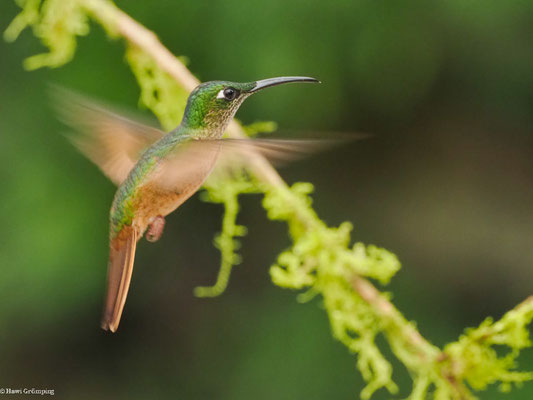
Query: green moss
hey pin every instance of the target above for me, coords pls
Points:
(260, 127)
(475, 358)
(226, 190)
(159, 92)
(56, 23)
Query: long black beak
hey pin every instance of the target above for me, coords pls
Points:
(265, 83)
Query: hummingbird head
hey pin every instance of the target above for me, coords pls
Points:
(212, 105)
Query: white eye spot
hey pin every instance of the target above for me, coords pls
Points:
(220, 95)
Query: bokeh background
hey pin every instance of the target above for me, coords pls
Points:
(446, 183)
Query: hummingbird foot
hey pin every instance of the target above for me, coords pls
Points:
(155, 229)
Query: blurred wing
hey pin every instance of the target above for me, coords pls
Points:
(113, 142)
(282, 151)
(277, 151)
(193, 161)
(188, 166)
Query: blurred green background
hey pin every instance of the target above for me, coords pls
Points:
(446, 183)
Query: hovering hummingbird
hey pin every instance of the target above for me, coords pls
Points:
(157, 172)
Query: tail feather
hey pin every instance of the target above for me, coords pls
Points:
(120, 267)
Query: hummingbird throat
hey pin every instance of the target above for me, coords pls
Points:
(211, 120)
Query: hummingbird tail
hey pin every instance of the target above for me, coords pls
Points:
(120, 267)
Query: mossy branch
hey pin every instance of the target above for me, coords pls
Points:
(321, 260)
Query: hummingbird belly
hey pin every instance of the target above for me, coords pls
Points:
(155, 199)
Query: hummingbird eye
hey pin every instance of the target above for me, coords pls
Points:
(230, 93)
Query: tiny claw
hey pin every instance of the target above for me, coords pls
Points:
(155, 229)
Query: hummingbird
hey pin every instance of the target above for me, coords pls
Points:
(156, 172)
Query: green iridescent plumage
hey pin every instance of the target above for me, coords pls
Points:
(205, 111)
